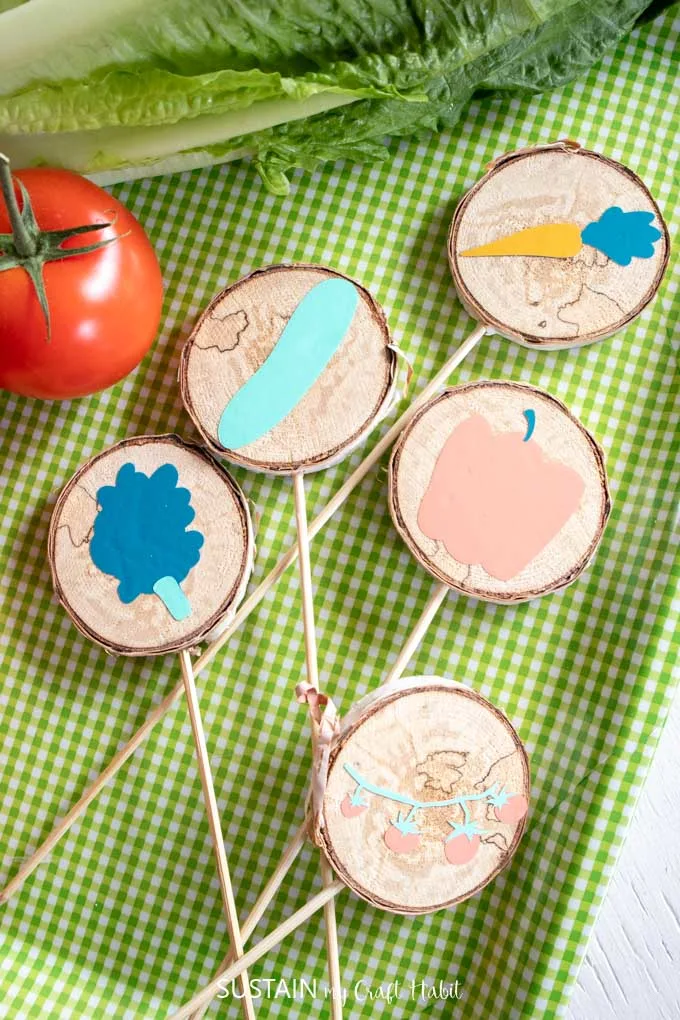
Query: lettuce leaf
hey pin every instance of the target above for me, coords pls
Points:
(123, 63)
(543, 59)
(150, 88)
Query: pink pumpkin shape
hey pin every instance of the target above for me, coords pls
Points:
(495, 499)
(349, 809)
(461, 849)
(513, 810)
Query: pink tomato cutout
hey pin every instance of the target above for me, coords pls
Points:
(461, 849)
(349, 809)
(496, 500)
(401, 843)
(513, 810)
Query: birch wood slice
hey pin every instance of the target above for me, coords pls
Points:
(402, 755)
(150, 546)
(499, 491)
(288, 369)
(574, 265)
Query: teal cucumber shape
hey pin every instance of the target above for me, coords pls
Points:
(309, 340)
(140, 536)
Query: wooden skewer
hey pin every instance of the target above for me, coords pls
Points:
(118, 760)
(313, 678)
(262, 902)
(261, 949)
(246, 608)
(345, 490)
(418, 632)
(332, 949)
(309, 624)
(434, 602)
(215, 828)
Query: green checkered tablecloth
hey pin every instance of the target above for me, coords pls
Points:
(124, 918)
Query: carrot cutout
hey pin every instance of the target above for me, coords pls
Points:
(621, 236)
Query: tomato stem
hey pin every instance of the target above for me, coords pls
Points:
(25, 244)
(412, 802)
(31, 248)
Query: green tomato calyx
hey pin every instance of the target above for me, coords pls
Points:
(30, 248)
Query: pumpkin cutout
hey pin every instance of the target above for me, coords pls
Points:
(499, 491)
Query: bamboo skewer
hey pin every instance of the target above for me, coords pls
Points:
(327, 879)
(410, 647)
(311, 658)
(275, 936)
(264, 899)
(215, 828)
(313, 678)
(344, 492)
(118, 760)
(418, 633)
(246, 608)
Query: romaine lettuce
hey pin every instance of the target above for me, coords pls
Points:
(125, 88)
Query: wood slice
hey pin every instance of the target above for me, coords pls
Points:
(424, 740)
(566, 291)
(499, 491)
(119, 522)
(288, 369)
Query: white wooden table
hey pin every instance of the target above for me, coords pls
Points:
(632, 968)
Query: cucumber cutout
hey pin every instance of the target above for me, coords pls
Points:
(311, 337)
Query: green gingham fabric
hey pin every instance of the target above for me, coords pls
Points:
(124, 918)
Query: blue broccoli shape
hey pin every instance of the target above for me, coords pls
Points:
(621, 235)
(140, 536)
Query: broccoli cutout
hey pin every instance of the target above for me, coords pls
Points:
(140, 536)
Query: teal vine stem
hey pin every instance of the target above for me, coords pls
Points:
(417, 805)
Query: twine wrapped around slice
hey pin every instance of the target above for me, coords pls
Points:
(325, 723)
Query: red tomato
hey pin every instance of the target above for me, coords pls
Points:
(105, 306)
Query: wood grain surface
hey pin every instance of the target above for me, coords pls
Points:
(633, 960)
(428, 739)
(562, 440)
(214, 586)
(238, 332)
(552, 302)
